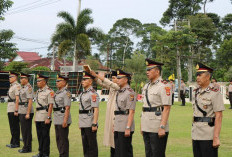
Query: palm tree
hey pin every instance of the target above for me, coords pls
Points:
(74, 36)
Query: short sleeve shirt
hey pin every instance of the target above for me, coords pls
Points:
(159, 94)
(62, 99)
(25, 93)
(89, 100)
(125, 100)
(230, 88)
(12, 93)
(44, 97)
(209, 100)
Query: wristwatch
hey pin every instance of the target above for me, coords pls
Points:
(94, 125)
(48, 117)
(127, 127)
(162, 126)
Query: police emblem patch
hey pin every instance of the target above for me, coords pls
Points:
(168, 91)
(94, 97)
(132, 97)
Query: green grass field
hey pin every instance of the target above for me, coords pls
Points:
(179, 142)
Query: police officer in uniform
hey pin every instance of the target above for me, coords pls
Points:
(230, 93)
(182, 92)
(26, 112)
(88, 116)
(62, 116)
(44, 105)
(172, 89)
(207, 114)
(109, 120)
(155, 111)
(124, 116)
(12, 109)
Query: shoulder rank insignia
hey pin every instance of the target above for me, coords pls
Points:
(132, 97)
(68, 94)
(94, 97)
(52, 94)
(168, 91)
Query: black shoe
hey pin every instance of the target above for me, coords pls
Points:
(12, 146)
(38, 155)
(23, 151)
(182, 105)
(230, 108)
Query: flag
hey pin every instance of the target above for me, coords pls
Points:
(171, 77)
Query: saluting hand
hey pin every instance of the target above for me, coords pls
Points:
(161, 133)
(216, 142)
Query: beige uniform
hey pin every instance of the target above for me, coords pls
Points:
(126, 100)
(109, 120)
(182, 87)
(159, 94)
(12, 93)
(44, 97)
(209, 100)
(25, 93)
(89, 99)
(230, 88)
(62, 99)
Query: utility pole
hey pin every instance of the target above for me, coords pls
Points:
(75, 45)
(53, 58)
(178, 65)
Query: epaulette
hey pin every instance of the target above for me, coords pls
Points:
(162, 81)
(93, 90)
(214, 89)
(130, 89)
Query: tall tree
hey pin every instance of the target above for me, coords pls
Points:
(4, 6)
(75, 35)
(179, 9)
(125, 30)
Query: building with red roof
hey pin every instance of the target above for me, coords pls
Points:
(26, 56)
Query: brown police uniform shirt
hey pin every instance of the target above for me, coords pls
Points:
(209, 100)
(159, 94)
(125, 99)
(25, 93)
(44, 96)
(12, 93)
(90, 100)
(62, 99)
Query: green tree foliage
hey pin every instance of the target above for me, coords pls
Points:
(41, 68)
(16, 66)
(4, 6)
(226, 27)
(92, 62)
(136, 65)
(179, 9)
(73, 35)
(146, 44)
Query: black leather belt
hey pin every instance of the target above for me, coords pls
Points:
(59, 109)
(85, 111)
(23, 103)
(11, 100)
(152, 109)
(121, 112)
(204, 119)
(42, 108)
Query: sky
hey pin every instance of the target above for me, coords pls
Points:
(37, 19)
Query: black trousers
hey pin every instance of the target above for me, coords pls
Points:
(123, 145)
(182, 96)
(26, 130)
(89, 142)
(155, 146)
(43, 135)
(172, 98)
(62, 140)
(204, 149)
(14, 128)
(230, 99)
(112, 152)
